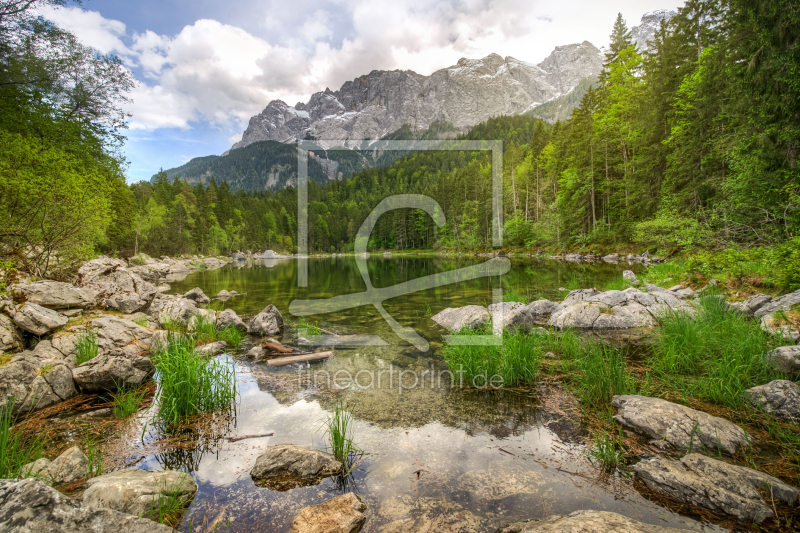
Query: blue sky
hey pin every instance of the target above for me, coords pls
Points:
(204, 67)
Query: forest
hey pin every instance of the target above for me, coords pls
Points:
(691, 144)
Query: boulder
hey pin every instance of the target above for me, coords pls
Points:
(578, 296)
(116, 286)
(684, 294)
(209, 315)
(53, 294)
(577, 315)
(108, 372)
(286, 466)
(785, 302)
(178, 310)
(342, 514)
(10, 335)
(714, 485)
(267, 322)
(211, 349)
(630, 277)
(33, 385)
(511, 316)
(38, 320)
(756, 302)
(70, 466)
(586, 521)
(229, 319)
(540, 310)
(197, 295)
(785, 359)
(137, 492)
(682, 427)
(780, 398)
(40, 469)
(117, 336)
(458, 318)
(224, 295)
(29, 505)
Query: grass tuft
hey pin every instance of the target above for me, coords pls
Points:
(87, 347)
(127, 401)
(339, 432)
(603, 374)
(189, 384)
(311, 329)
(607, 451)
(15, 452)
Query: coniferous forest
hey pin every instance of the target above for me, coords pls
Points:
(693, 143)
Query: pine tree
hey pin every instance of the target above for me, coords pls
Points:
(620, 39)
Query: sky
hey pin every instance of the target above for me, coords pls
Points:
(205, 67)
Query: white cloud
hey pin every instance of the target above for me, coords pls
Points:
(222, 74)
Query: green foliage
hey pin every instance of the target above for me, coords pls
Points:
(786, 261)
(15, 452)
(168, 505)
(87, 347)
(514, 295)
(607, 451)
(127, 401)
(715, 356)
(311, 329)
(339, 432)
(603, 374)
(189, 384)
(95, 457)
(205, 331)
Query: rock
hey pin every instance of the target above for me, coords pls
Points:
(40, 469)
(224, 295)
(116, 286)
(511, 316)
(586, 521)
(267, 322)
(34, 388)
(342, 514)
(681, 426)
(108, 372)
(117, 336)
(30, 505)
(578, 296)
(10, 335)
(780, 398)
(137, 492)
(211, 349)
(458, 318)
(578, 315)
(229, 319)
(683, 294)
(38, 320)
(785, 359)
(197, 295)
(675, 288)
(785, 302)
(756, 302)
(611, 258)
(255, 353)
(178, 310)
(70, 466)
(209, 315)
(286, 466)
(71, 313)
(714, 485)
(53, 294)
(540, 310)
(630, 277)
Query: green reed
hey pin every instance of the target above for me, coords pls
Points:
(87, 347)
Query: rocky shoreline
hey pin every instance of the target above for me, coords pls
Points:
(120, 303)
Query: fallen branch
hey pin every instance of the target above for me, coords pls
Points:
(299, 358)
(242, 437)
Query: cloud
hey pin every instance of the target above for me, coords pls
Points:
(219, 74)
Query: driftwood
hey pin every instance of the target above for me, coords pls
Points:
(275, 346)
(299, 358)
(242, 437)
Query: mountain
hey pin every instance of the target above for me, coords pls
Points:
(647, 28)
(463, 95)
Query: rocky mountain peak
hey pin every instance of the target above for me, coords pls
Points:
(648, 26)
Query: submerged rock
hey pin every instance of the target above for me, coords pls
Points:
(715, 485)
(224, 295)
(267, 322)
(586, 522)
(137, 492)
(458, 318)
(286, 466)
(342, 514)
(30, 505)
(38, 320)
(780, 398)
(683, 427)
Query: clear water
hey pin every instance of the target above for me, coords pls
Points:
(440, 458)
